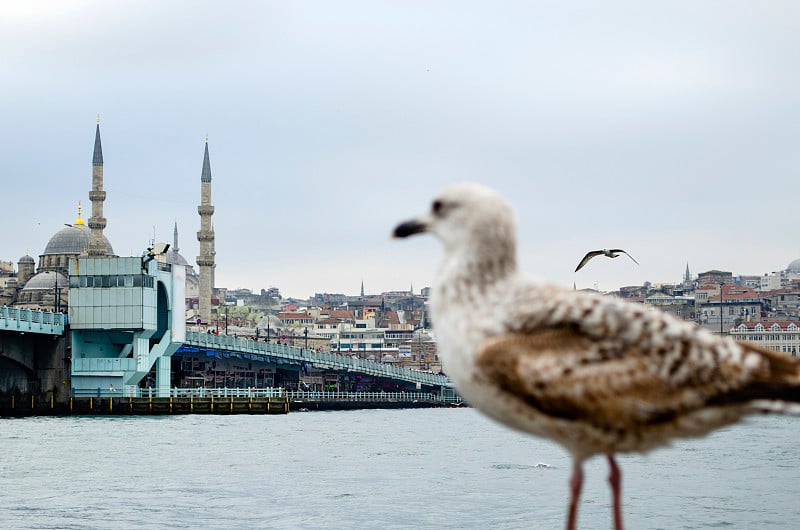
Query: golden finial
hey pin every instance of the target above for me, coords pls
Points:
(206, 137)
(98, 119)
(79, 221)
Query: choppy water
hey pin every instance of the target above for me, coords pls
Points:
(429, 468)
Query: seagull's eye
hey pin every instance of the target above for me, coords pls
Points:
(437, 207)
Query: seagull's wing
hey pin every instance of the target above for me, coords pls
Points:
(619, 250)
(587, 257)
(614, 384)
(558, 373)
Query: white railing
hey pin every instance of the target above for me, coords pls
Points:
(362, 396)
(32, 320)
(293, 395)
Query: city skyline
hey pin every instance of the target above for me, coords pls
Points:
(667, 132)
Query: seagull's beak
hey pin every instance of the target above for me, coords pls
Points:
(409, 228)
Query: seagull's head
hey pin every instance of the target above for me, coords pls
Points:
(466, 217)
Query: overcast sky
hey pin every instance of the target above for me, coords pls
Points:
(668, 129)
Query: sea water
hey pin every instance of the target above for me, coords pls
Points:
(422, 468)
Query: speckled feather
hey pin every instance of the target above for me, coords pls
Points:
(596, 374)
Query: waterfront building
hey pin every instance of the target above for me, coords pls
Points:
(770, 282)
(297, 320)
(678, 305)
(785, 301)
(732, 304)
(714, 277)
(778, 336)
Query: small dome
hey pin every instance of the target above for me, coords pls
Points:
(174, 258)
(794, 267)
(45, 280)
(26, 259)
(73, 240)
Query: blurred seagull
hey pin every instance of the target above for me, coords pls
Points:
(611, 253)
(597, 375)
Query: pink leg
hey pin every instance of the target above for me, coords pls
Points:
(575, 485)
(615, 479)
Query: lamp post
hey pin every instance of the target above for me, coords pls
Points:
(305, 332)
(226, 320)
(56, 296)
(721, 312)
(422, 357)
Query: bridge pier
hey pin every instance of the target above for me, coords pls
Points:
(34, 364)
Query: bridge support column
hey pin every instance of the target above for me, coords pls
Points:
(141, 351)
(163, 376)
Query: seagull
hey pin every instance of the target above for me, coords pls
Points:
(611, 253)
(598, 375)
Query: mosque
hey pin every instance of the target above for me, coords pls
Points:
(46, 286)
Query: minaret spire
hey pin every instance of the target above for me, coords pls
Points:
(175, 238)
(97, 196)
(205, 261)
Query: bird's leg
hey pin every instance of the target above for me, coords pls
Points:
(575, 485)
(615, 479)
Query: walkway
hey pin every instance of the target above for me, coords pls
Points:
(32, 321)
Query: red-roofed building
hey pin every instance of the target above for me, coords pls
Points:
(786, 300)
(737, 303)
(778, 336)
(296, 319)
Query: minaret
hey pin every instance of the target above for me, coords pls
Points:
(97, 222)
(175, 238)
(214, 267)
(205, 261)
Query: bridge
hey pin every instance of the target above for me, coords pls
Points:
(45, 323)
(266, 351)
(32, 321)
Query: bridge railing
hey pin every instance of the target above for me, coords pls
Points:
(293, 395)
(320, 359)
(32, 320)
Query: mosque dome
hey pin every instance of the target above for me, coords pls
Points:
(26, 259)
(794, 266)
(45, 280)
(175, 258)
(73, 240)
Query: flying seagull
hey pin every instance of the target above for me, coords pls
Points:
(611, 253)
(598, 375)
